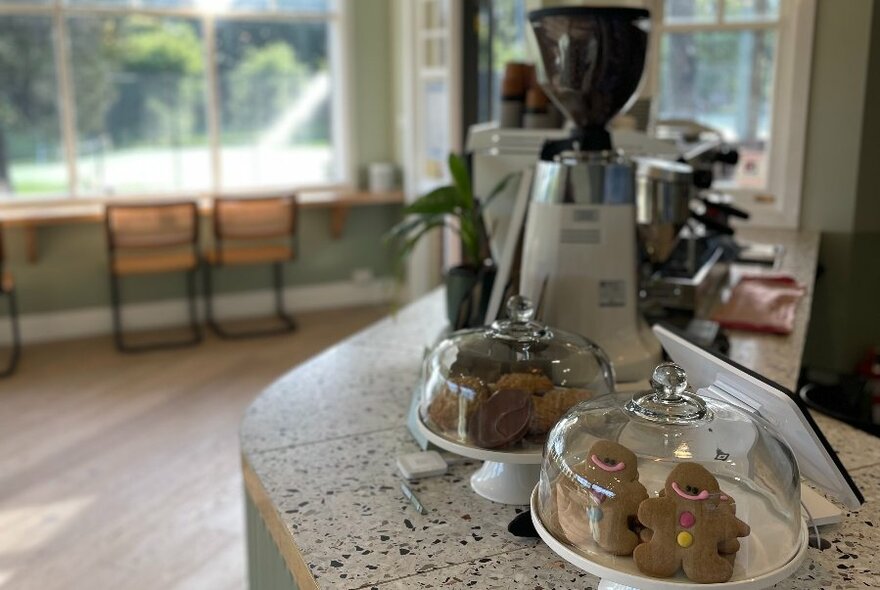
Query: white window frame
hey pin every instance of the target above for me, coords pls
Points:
(423, 271)
(779, 203)
(339, 55)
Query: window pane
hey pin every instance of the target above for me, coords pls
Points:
(142, 3)
(435, 128)
(98, 2)
(435, 54)
(435, 14)
(723, 80)
(174, 3)
(31, 154)
(305, 5)
(271, 5)
(276, 108)
(751, 10)
(508, 43)
(216, 6)
(690, 11)
(250, 4)
(140, 104)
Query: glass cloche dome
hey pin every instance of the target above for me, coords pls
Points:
(671, 487)
(504, 386)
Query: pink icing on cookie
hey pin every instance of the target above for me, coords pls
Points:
(612, 468)
(687, 519)
(701, 496)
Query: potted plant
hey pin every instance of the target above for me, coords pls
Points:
(468, 285)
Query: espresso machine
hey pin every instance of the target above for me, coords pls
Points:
(685, 240)
(580, 251)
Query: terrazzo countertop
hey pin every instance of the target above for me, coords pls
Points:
(322, 443)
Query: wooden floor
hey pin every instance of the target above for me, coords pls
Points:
(123, 472)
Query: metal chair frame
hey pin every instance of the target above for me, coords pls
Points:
(286, 322)
(15, 348)
(116, 288)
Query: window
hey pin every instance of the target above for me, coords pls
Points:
(143, 97)
(717, 60)
(31, 152)
(139, 92)
(741, 67)
(436, 69)
(276, 109)
(508, 43)
(498, 38)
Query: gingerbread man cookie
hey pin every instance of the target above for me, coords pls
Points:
(727, 548)
(602, 503)
(693, 526)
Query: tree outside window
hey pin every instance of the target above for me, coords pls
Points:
(139, 93)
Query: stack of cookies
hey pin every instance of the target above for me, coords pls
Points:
(516, 406)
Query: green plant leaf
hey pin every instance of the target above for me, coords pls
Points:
(402, 238)
(440, 200)
(458, 170)
(470, 241)
(499, 188)
(402, 227)
(411, 242)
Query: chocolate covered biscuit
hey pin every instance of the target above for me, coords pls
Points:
(501, 420)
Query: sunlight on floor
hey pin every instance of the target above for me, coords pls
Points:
(124, 471)
(29, 527)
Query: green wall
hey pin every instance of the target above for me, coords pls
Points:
(372, 93)
(72, 269)
(841, 179)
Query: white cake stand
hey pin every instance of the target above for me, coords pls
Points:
(620, 573)
(506, 477)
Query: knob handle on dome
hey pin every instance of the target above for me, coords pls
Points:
(520, 325)
(669, 401)
(520, 309)
(669, 381)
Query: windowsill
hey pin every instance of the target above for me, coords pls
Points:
(73, 210)
(32, 215)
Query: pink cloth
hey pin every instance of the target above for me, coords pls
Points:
(761, 303)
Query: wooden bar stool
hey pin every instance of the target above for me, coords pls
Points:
(153, 239)
(7, 291)
(247, 232)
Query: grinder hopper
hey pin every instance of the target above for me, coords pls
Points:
(592, 59)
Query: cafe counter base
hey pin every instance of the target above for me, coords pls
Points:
(323, 500)
(273, 562)
(368, 536)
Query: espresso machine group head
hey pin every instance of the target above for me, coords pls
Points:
(580, 254)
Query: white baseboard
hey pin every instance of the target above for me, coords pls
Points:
(93, 321)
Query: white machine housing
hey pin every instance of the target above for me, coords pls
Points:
(555, 247)
(498, 152)
(580, 259)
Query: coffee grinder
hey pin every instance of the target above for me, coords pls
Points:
(580, 253)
